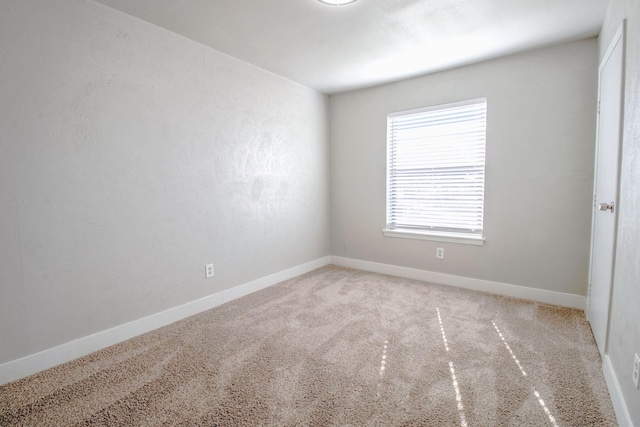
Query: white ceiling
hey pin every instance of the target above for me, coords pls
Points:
(334, 49)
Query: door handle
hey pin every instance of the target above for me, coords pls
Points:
(606, 206)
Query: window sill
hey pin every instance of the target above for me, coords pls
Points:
(435, 237)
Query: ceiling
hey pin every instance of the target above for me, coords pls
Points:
(339, 48)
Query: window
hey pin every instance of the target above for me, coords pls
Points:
(435, 172)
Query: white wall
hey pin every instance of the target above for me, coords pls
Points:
(624, 328)
(539, 169)
(129, 158)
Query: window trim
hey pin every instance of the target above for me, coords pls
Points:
(464, 239)
(434, 235)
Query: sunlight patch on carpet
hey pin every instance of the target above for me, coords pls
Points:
(452, 371)
(544, 406)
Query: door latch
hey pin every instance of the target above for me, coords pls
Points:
(606, 206)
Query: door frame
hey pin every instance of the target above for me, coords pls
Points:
(619, 37)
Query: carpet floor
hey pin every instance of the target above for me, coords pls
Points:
(335, 347)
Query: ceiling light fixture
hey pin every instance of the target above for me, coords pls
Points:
(336, 2)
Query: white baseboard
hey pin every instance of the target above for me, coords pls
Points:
(523, 292)
(617, 398)
(49, 358)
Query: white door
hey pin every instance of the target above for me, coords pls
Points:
(606, 179)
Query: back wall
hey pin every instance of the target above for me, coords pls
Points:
(539, 168)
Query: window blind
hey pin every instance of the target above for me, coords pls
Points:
(436, 162)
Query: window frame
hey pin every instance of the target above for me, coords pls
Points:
(422, 233)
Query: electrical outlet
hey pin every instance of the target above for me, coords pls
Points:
(208, 271)
(636, 370)
(440, 253)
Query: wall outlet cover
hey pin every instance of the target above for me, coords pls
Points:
(208, 271)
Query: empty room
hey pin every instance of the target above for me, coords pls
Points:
(319, 213)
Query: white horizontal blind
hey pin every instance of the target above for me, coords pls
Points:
(435, 177)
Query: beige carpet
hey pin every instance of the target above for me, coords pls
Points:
(335, 347)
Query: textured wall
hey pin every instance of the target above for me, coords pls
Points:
(539, 174)
(130, 157)
(624, 328)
